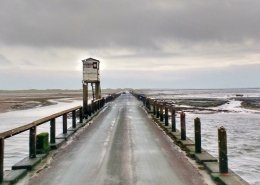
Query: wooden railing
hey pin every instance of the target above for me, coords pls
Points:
(160, 109)
(92, 108)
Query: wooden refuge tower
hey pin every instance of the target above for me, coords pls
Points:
(90, 76)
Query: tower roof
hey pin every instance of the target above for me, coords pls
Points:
(90, 59)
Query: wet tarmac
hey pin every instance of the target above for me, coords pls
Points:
(122, 146)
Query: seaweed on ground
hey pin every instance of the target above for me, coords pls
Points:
(249, 102)
(201, 102)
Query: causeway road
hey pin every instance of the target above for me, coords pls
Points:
(122, 146)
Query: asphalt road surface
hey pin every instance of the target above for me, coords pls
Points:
(121, 147)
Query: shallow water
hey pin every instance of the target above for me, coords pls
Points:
(242, 125)
(243, 128)
(17, 147)
(243, 136)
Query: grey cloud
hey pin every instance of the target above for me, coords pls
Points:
(4, 61)
(128, 24)
(233, 76)
(237, 76)
(39, 79)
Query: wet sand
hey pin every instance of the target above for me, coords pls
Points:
(28, 99)
(20, 100)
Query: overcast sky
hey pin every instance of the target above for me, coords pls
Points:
(141, 44)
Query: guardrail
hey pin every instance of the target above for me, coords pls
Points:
(92, 108)
(32, 127)
(160, 111)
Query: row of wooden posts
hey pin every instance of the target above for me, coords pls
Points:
(161, 111)
(93, 107)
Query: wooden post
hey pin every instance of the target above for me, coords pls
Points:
(98, 104)
(74, 119)
(154, 108)
(2, 141)
(32, 142)
(102, 102)
(157, 110)
(97, 90)
(89, 109)
(85, 100)
(222, 149)
(183, 126)
(95, 106)
(197, 131)
(52, 131)
(166, 116)
(173, 120)
(64, 123)
(161, 112)
(81, 115)
(92, 107)
(148, 104)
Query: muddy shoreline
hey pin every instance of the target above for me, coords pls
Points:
(211, 104)
(11, 100)
(28, 99)
(21, 100)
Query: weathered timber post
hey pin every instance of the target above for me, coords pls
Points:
(97, 90)
(148, 104)
(154, 108)
(92, 107)
(166, 116)
(2, 141)
(99, 104)
(161, 112)
(52, 131)
(74, 119)
(222, 149)
(173, 119)
(89, 109)
(32, 142)
(197, 131)
(157, 110)
(64, 123)
(183, 126)
(95, 106)
(81, 115)
(85, 100)
(103, 102)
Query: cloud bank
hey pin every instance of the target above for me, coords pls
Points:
(148, 36)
